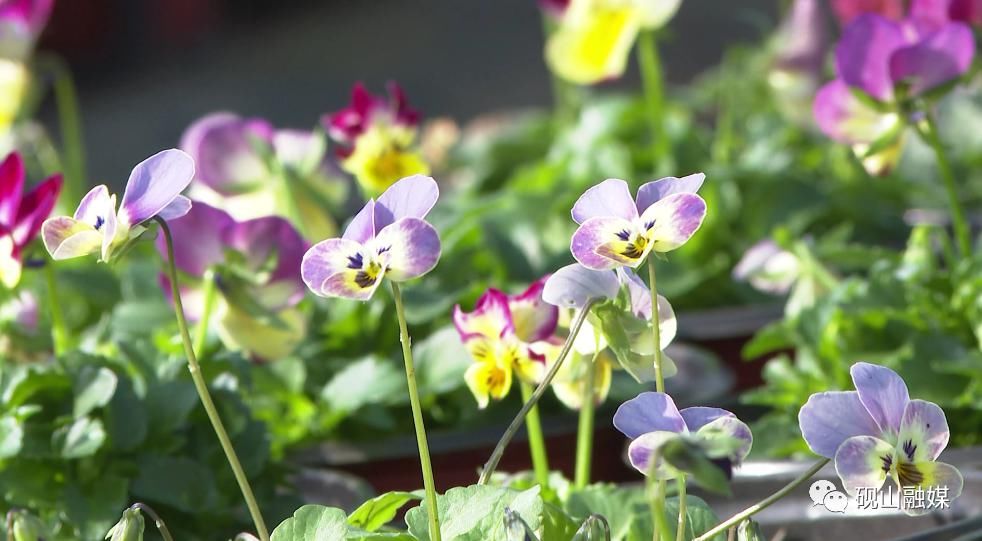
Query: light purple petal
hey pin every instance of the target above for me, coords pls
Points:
(573, 285)
(108, 230)
(733, 430)
(197, 238)
(95, 206)
(640, 451)
(640, 295)
(671, 221)
(271, 236)
(938, 58)
(860, 461)
(361, 228)
(533, 317)
(328, 258)
(931, 12)
(490, 318)
(609, 199)
(221, 145)
(154, 183)
(863, 54)
(699, 416)
(410, 247)
(841, 116)
(923, 431)
(648, 412)
(593, 235)
(830, 418)
(659, 189)
(66, 238)
(177, 208)
(883, 393)
(411, 197)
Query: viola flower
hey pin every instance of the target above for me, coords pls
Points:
(21, 215)
(554, 8)
(938, 12)
(847, 10)
(377, 138)
(153, 189)
(388, 238)
(801, 45)
(877, 431)
(615, 230)
(256, 268)
(651, 418)
(768, 268)
(250, 169)
(569, 384)
(593, 40)
(22, 311)
(501, 335)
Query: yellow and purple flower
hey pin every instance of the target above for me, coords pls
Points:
(388, 238)
(376, 138)
(878, 431)
(651, 419)
(255, 265)
(615, 230)
(503, 335)
(153, 189)
(21, 215)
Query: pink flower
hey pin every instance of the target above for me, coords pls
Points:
(21, 215)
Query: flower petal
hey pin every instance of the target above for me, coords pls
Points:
(65, 238)
(11, 187)
(260, 240)
(613, 235)
(862, 462)
(361, 228)
(699, 416)
(410, 246)
(648, 412)
(95, 207)
(923, 431)
(729, 433)
(109, 231)
(490, 318)
(830, 418)
(241, 331)
(197, 239)
(883, 393)
(411, 197)
(487, 380)
(643, 447)
(330, 267)
(574, 285)
(671, 221)
(35, 207)
(221, 145)
(941, 480)
(863, 54)
(177, 208)
(609, 199)
(533, 317)
(654, 191)
(843, 117)
(10, 263)
(155, 183)
(938, 58)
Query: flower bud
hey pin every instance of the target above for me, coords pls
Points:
(129, 527)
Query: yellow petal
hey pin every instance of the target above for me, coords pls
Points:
(487, 380)
(383, 155)
(593, 41)
(10, 266)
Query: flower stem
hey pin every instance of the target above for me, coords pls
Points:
(584, 432)
(537, 444)
(157, 521)
(210, 294)
(763, 504)
(680, 531)
(59, 336)
(656, 329)
(963, 237)
(516, 423)
(656, 495)
(202, 388)
(70, 124)
(654, 93)
(424, 449)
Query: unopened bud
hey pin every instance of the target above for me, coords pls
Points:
(129, 527)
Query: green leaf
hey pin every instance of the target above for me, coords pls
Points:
(689, 457)
(441, 361)
(477, 512)
(312, 522)
(371, 380)
(621, 506)
(182, 483)
(11, 436)
(80, 439)
(699, 517)
(93, 507)
(94, 388)
(126, 418)
(27, 382)
(380, 510)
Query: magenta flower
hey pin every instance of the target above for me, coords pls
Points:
(501, 334)
(877, 431)
(153, 189)
(21, 23)
(615, 230)
(21, 215)
(346, 125)
(554, 8)
(388, 238)
(256, 268)
(847, 10)
(938, 12)
(650, 419)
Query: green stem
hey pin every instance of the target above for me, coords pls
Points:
(210, 295)
(656, 329)
(516, 423)
(202, 388)
(656, 495)
(763, 504)
(161, 527)
(59, 336)
(680, 531)
(963, 236)
(584, 433)
(654, 93)
(424, 449)
(70, 124)
(537, 444)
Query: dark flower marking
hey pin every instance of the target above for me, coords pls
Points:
(355, 261)
(887, 462)
(908, 474)
(99, 222)
(624, 235)
(365, 280)
(909, 449)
